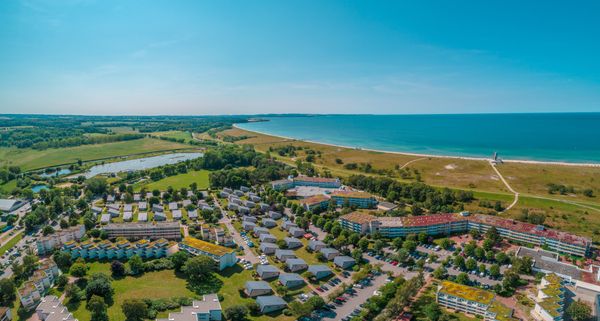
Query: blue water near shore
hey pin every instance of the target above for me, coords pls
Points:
(558, 137)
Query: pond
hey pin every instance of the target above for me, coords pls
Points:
(140, 163)
(38, 188)
(60, 172)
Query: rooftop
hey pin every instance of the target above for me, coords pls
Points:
(358, 217)
(314, 199)
(467, 292)
(303, 178)
(351, 194)
(206, 247)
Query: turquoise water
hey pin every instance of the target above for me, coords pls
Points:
(38, 188)
(560, 137)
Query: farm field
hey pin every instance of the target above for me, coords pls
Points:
(187, 136)
(29, 159)
(178, 181)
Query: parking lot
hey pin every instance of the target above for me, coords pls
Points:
(351, 302)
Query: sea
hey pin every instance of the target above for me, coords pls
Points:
(548, 137)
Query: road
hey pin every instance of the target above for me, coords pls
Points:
(248, 254)
(361, 297)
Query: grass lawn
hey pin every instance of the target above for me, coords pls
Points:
(178, 181)
(8, 186)
(8, 245)
(155, 285)
(29, 159)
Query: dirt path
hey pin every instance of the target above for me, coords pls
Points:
(412, 161)
(507, 186)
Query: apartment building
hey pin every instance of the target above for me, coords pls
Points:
(445, 224)
(224, 256)
(166, 230)
(31, 292)
(51, 309)
(122, 249)
(317, 202)
(472, 301)
(5, 314)
(354, 198)
(285, 184)
(550, 301)
(53, 241)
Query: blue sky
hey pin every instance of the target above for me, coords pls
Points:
(232, 57)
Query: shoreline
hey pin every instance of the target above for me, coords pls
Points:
(533, 162)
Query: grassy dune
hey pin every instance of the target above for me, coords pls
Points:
(29, 159)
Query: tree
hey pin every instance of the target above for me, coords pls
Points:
(432, 311)
(378, 245)
(445, 243)
(78, 270)
(579, 311)
(459, 262)
(73, 292)
(440, 273)
(136, 265)
(97, 307)
(236, 313)
(62, 260)
(471, 264)
(495, 270)
(199, 268)
(501, 257)
(179, 259)
(7, 291)
(409, 245)
(97, 185)
(363, 244)
(135, 309)
(62, 281)
(99, 284)
(462, 278)
(117, 268)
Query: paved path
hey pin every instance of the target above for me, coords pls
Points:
(361, 297)
(507, 186)
(248, 254)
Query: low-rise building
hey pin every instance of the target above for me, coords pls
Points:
(316, 245)
(283, 255)
(344, 262)
(225, 257)
(287, 225)
(274, 215)
(268, 248)
(251, 219)
(207, 309)
(260, 230)
(315, 203)
(329, 253)
(9, 206)
(291, 280)
(142, 216)
(319, 271)
(177, 215)
(160, 216)
(105, 218)
(53, 241)
(268, 223)
(292, 242)
(295, 265)
(127, 216)
(167, 230)
(270, 303)
(266, 271)
(248, 226)
(296, 231)
(267, 238)
(257, 288)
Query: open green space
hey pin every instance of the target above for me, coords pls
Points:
(178, 181)
(8, 186)
(154, 285)
(29, 159)
(8, 245)
(186, 136)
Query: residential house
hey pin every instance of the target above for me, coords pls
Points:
(257, 288)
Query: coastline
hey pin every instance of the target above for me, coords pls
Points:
(531, 162)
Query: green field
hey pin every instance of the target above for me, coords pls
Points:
(8, 245)
(29, 159)
(187, 136)
(8, 186)
(154, 285)
(178, 181)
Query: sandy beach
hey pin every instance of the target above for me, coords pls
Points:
(429, 155)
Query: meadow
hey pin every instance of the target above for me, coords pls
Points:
(178, 181)
(29, 159)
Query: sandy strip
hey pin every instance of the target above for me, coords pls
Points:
(429, 155)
